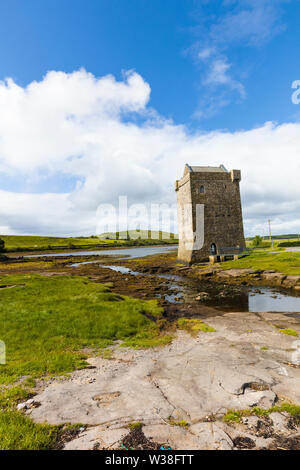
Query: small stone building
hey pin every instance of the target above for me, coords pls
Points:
(210, 219)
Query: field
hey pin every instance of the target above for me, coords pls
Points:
(15, 243)
(283, 262)
(277, 241)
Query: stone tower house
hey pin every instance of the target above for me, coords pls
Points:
(210, 219)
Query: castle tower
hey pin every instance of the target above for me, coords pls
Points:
(209, 213)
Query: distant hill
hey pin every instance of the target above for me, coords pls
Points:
(279, 237)
(14, 243)
(142, 235)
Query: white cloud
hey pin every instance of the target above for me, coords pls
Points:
(101, 133)
(239, 23)
(253, 21)
(205, 53)
(218, 74)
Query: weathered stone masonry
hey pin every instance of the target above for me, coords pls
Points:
(218, 192)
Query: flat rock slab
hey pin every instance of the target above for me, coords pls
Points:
(189, 379)
(201, 436)
(236, 272)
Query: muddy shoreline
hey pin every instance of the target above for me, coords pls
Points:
(160, 277)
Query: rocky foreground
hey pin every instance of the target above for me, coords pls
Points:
(180, 393)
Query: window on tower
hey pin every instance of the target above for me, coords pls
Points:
(201, 189)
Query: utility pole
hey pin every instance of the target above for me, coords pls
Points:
(270, 235)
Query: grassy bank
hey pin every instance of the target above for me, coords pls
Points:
(15, 243)
(286, 263)
(46, 324)
(277, 242)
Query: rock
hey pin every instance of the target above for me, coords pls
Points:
(291, 281)
(175, 437)
(279, 422)
(32, 403)
(205, 274)
(189, 379)
(202, 296)
(235, 273)
(211, 436)
(179, 414)
(251, 422)
(242, 442)
(242, 439)
(121, 392)
(22, 406)
(97, 437)
(263, 399)
(273, 277)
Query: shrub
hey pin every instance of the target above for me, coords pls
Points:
(2, 245)
(287, 244)
(257, 240)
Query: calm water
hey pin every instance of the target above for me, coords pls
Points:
(139, 252)
(270, 300)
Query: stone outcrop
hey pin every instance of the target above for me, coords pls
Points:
(246, 362)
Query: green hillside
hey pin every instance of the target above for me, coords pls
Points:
(14, 243)
(139, 234)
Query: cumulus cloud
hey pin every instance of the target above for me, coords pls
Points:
(103, 135)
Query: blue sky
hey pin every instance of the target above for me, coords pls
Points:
(214, 67)
(158, 39)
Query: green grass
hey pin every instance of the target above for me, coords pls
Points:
(286, 263)
(235, 416)
(27, 242)
(46, 323)
(135, 425)
(289, 331)
(193, 326)
(35, 243)
(18, 432)
(182, 423)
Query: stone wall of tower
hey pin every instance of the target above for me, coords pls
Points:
(186, 235)
(223, 223)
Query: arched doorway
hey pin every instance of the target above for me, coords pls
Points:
(213, 249)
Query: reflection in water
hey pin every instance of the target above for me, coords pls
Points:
(222, 297)
(128, 252)
(270, 300)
